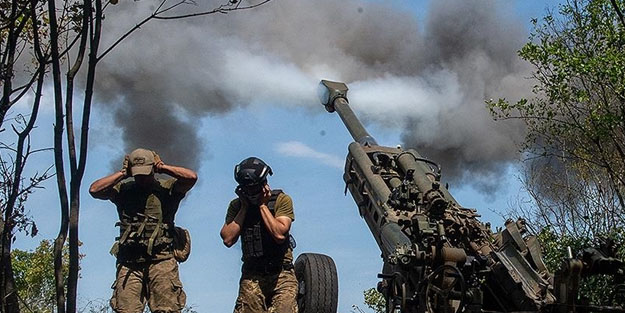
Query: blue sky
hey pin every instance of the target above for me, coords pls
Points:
(305, 146)
(327, 221)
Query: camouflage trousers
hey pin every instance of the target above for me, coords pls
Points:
(270, 293)
(158, 284)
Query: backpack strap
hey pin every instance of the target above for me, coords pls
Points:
(155, 233)
(272, 200)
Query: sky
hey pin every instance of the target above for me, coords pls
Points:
(207, 93)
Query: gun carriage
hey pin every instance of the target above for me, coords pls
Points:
(438, 256)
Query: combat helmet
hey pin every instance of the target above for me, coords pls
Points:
(251, 171)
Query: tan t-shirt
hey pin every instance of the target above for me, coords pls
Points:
(283, 207)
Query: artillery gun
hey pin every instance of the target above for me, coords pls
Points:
(438, 257)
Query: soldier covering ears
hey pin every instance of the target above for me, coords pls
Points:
(147, 249)
(262, 218)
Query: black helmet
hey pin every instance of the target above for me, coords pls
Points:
(251, 171)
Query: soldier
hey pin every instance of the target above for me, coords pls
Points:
(146, 267)
(262, 218)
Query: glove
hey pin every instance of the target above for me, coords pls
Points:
(242, 197)
(125, 166)
(158, 163)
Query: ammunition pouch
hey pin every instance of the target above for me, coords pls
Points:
(252, 241)
(182, 244)
(146, 237)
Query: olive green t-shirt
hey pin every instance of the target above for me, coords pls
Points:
(283, 207)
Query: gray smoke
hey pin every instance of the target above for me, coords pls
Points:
(477, 42)
(430, 82)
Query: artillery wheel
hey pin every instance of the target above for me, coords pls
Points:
(444, 284)
(318, 283)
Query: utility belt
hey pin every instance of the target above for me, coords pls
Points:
(266, 268)
(135, 253)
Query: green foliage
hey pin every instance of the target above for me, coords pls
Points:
(554, 247)
(580, 60)
(375, 300)
(575, 139)
(598, 289)
(34, 277)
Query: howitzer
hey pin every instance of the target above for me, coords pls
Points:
(438, 257)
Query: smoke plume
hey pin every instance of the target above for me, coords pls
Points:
(430, 82)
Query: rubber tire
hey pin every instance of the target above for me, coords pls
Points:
(318, 290)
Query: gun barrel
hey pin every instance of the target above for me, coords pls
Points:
(333, 95)
(358, 132)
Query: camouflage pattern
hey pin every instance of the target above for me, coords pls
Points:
(267, 293)
(157, 283)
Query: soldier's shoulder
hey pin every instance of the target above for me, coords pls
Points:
(284, 197)
(235, 203)
(166, 183)
(125, 185)
(279, 192)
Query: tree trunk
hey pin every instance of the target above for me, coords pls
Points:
(8, 292)
(58, 158)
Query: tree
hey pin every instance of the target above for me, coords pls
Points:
(37, 39)
(574, 170)
(35, 282)
(88, 16)
(18, 34)
(34, 277)
(575, 142)
(599, 289)
(375, 300)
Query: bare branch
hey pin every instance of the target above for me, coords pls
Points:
(128, 33)
(226, 8)
(618, 12)
(157, 14)
(161, 11)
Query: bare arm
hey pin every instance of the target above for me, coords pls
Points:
(103, 187)
(230, 231)
(278, 227)
(186, 178)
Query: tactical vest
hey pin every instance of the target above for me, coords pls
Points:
(146, 233)
(257, 244)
